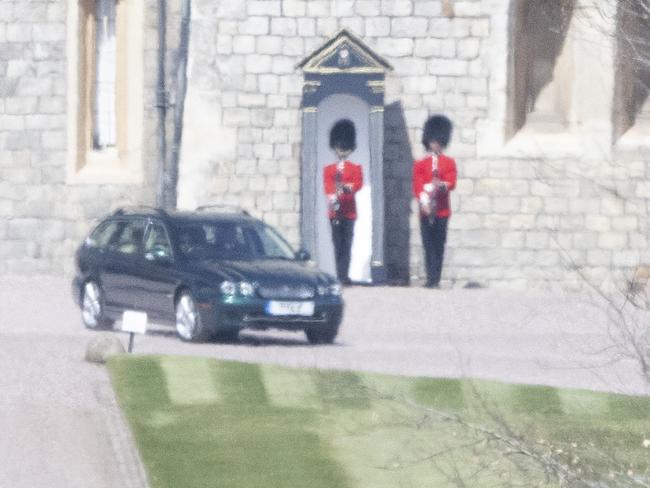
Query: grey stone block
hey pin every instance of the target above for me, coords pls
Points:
(264, 7)
(612, 240)
(294, 8)
(354, 24)
(428, 8)
(318, 8)
(53, 140)
(243, 44)
(258, 63)
(285, 27)
(49, 32)
(326, 26)
(395, 47)
(270, 44)
(21, 105)
(19, 33)
(256, 26)
(306, 27)
(409, 27)
(377, 26)
(440, 28)
(11, 122)
(468, 8)
(397, 8)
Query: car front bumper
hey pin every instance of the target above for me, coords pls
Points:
(231, 313)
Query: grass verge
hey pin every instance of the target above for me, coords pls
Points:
(202, 422)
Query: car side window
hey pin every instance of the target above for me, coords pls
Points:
(128, 240)
(156, 242)
(102, 235)
(269, 243)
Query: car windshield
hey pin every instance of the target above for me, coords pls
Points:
(231, 241)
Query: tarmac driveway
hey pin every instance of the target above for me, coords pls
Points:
(61, 427)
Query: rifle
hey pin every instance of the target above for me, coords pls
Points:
(336, 203)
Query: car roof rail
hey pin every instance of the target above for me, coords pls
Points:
(222, 209)
(140, 209)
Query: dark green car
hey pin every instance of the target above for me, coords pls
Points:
(211, 273)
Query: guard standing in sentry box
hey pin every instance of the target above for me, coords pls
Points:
(433, 178)
(342, 180)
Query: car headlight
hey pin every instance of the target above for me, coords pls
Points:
(228, 288)
(246, 289)
(322, 290)
(335, 289)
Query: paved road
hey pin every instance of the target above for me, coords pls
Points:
(61, 427)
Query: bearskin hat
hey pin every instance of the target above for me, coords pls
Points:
(343, 135)
(437, 128)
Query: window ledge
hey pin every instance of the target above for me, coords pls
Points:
(635, 139)
(106, 167)
(540, 143)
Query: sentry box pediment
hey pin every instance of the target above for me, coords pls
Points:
(344, 64)
(344, 53)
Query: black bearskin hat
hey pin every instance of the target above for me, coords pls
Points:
(343, 135)
(437, 128)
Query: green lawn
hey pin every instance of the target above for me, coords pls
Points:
(205, 423)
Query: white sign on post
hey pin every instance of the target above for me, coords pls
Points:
(134, 322)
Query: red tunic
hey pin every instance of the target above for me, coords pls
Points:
(352, 174)
(423, 174)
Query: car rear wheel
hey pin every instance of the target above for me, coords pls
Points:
(324, 334)
(189, 325)
(92, 307)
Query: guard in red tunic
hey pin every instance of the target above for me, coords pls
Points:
(342, 180)
(433, 178)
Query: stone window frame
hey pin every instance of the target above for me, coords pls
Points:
(631, 131)
(122, 163)
(585, 134)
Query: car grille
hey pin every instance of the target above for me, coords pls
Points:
(286, 292)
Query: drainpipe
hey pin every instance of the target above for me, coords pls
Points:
(181, 90)
(161, 105)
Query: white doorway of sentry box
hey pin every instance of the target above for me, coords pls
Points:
(331, 109)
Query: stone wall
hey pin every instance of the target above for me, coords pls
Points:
(527, 210)
(242, 144)
(520, 218)
(43, 217)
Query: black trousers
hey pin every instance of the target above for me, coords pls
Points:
(342, 234)
(434, 236)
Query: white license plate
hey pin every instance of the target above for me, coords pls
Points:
(305, 309)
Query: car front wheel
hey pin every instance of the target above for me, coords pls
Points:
(189, 325)
(92, 307)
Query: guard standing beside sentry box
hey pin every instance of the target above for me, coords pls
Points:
(433, 178)
(342, 180)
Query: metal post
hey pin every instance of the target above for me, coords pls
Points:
(131, 334)
(161, 104)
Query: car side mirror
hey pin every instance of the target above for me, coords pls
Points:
(303, 255)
